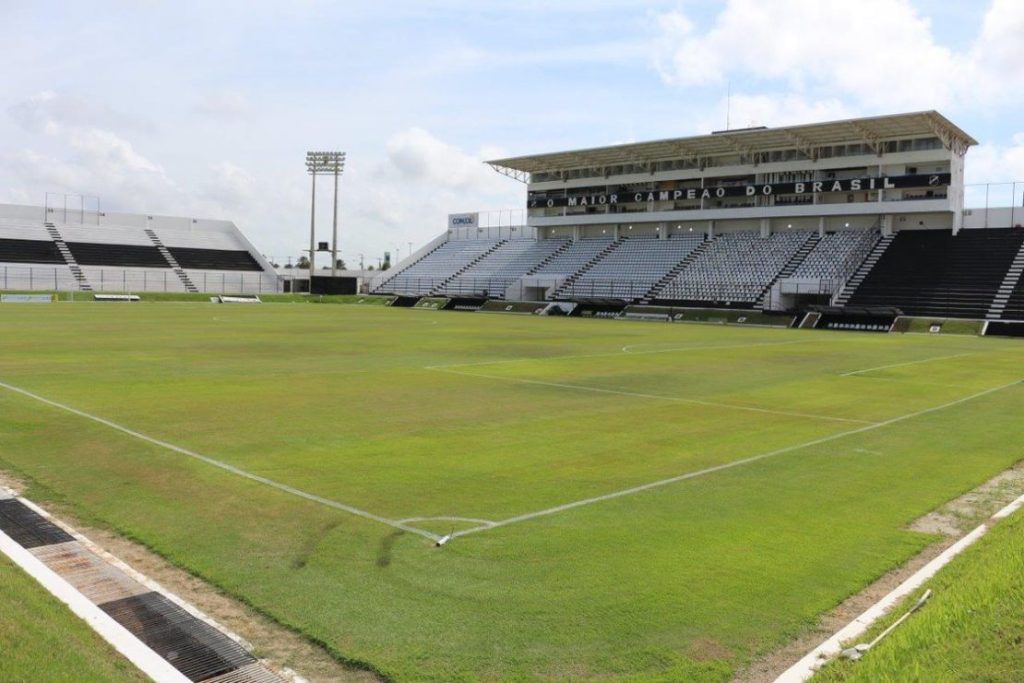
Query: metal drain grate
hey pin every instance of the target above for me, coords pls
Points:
(192, 646)
(253, 673)
(27, 527)
(92, 576)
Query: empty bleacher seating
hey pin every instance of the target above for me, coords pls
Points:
(213, 259)
(572, 259)
(127, 255)
(734, 268)
(57, 250)
(629, 271)
(29, 251)
(934, 273)
(509, 262)
(431, 271)
(837, 255)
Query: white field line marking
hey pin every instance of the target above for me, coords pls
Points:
(344, 507)
(729, 465)
(658, 397)
(619, 353)
(444, 518)
(813, 660)
(900, 365)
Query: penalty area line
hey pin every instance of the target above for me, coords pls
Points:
(344, 507)
(729, 465)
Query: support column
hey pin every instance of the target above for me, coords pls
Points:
(711, 230)
(766, 227)
(821, 226)
(887, 225)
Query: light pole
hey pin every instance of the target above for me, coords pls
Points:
(324, 163)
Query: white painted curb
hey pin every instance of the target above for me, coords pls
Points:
(137, 652)
(816, 658)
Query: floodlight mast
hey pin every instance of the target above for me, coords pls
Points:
(324, 163)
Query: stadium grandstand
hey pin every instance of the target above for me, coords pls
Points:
(48, 249)
(854, 215)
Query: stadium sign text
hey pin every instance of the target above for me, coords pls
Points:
(463, 220)
(765, 190)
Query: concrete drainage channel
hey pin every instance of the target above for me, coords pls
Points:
(165, 637)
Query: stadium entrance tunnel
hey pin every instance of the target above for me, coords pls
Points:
(335, 285)
(405, 301)
(465, 303)
(599, 308)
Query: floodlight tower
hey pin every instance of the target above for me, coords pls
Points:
(324, 163)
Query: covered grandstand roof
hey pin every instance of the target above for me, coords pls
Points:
(749, 141)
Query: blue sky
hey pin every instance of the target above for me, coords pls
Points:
(207, 108)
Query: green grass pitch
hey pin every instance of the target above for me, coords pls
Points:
(502, 428)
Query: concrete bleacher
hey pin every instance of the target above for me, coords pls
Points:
(572, 259)
(734, 268)
(632, 269)
(44, 248)
(124, 255)
(936, 273)
(838, 255)
(433, 270)
(510, 261)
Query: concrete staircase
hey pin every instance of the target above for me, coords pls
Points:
(787, 270)
(1013, 276)
(671, 275)
(172, 262)
(69, 258)
(862, 271)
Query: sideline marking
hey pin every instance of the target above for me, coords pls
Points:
(675, 399)
(832, 646)
(913, 362)
(729, 465)
(344, 507)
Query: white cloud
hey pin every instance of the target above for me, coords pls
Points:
(989, 163)
(419, 156)
(232, 187)
(772, 110)
(880, 53)
(224, 104)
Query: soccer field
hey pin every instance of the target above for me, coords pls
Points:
(630, 501)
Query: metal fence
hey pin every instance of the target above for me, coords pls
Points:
(50, 278)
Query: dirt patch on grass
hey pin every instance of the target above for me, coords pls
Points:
(953, 520)
(962, 514)
(703, 649)
(285, 650)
